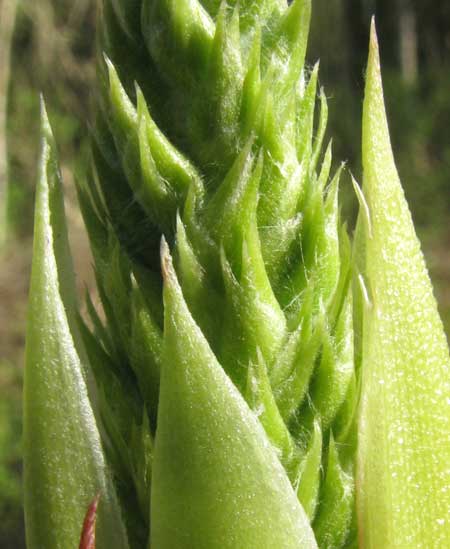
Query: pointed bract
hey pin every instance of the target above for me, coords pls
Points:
(64, 466)
(404, 424)
(217, 480)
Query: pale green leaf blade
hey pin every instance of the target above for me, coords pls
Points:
(217, 481)
(404, 429)
(64, 466)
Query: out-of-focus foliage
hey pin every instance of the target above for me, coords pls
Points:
(52, 54)
(11, 532)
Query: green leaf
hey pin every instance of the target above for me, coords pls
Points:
(64, 466)
(217, 481)
(404, 447)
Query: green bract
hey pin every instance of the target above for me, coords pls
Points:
(64, 462)
(404, 431)
(228, 383)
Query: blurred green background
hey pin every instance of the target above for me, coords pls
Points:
(48, 46)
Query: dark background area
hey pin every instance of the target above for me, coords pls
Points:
(48, 46)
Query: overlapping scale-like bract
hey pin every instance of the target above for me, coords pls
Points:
(208, 134)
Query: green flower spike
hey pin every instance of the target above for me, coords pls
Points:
(238, 387)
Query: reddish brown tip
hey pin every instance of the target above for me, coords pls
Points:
(87, 540)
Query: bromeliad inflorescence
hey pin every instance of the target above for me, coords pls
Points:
(228, 380)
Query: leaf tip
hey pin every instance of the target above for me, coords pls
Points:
(363, 206)
(108, 61)
(43, 108)
(364, 291)
(46, 129)
(373, 65)
(373, 33)
(167, 271)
